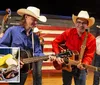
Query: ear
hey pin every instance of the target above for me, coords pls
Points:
(26, 16)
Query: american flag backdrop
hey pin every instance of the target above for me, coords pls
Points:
(49, 33)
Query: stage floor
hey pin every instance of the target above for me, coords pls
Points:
(56, 79)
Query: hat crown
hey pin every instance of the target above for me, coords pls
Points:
(83, 14)
(34, 10)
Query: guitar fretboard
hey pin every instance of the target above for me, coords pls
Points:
(34, 59)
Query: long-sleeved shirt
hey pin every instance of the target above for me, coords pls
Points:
(73, 42)
(98, 45)
(15, 36)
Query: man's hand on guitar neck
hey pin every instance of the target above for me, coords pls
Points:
(21, 64)
(59, 60)
(52, 58)
(80, 66)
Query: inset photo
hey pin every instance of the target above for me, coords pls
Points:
(9, 64)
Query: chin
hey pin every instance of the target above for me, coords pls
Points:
(82, 31)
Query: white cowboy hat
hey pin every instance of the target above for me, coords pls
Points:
(32, 11)
(85, 15)
(35, 30)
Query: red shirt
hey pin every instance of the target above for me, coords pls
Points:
(73, 41)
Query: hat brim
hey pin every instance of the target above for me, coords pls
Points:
(23, 11)
(91, 20)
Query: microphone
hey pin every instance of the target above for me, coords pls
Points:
(86, 30)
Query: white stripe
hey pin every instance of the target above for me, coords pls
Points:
(48, 46)
(48, 39)
(48, 53)
(52, 31)
(48, 61)
(48, 68)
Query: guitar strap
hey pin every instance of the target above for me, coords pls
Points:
(33, 42)
(75, 70)
(83, 46)
(30, 65)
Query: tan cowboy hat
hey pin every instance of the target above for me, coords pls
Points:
(35, 30)
(32, 11)
(85, 15)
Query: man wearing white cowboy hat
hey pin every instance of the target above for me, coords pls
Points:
(22, 36)
(96, 62)
(73, 39)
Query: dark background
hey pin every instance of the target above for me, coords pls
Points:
(56, 7)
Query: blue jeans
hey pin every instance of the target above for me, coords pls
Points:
(96, 79)
(37, 73)
(67, 78)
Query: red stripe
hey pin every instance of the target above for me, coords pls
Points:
(43, 27)
(49, 35)
(47, 64)
(47, 42)
(47, 49)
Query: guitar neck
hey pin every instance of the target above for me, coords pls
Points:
(34, 59)
(94, 68)
(90, 67)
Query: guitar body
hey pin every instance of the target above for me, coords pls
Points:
(27, 58)
(64, 66)
(26, 54)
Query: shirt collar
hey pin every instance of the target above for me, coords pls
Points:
(23, 30)
(83, 35)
